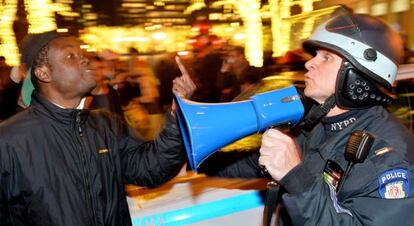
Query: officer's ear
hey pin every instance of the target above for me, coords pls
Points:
(42, 73)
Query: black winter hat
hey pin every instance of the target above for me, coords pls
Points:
(30, 48)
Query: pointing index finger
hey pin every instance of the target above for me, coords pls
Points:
(183, 70)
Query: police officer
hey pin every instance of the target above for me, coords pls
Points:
(354, 64)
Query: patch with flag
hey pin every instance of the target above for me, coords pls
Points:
(394, 184)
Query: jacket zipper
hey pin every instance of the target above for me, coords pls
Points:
(85, 170)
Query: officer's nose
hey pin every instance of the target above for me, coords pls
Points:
(310, 64)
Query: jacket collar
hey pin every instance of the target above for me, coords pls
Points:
(316, 139)
(52, 111)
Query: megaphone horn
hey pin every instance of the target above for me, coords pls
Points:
(206, 127)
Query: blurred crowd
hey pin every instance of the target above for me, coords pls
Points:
(137, 87)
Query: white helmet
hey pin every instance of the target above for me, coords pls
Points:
(371, 52)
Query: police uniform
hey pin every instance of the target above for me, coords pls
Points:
(378, 191)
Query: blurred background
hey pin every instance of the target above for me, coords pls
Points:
(231, 48)
(180, 25)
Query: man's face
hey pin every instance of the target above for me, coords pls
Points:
(69, 68)
(320, 79)
(233, 61)
(237, 58)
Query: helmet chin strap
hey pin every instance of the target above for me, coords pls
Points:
(317, 112)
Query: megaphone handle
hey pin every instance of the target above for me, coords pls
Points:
(271, 202)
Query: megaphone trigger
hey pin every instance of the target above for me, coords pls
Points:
(290, 98)
(284, 127)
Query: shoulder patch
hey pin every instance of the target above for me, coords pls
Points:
(394, 184)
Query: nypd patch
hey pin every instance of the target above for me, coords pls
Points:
(394, 184)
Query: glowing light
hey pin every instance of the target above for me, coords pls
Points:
(310, 21)
(8, 47)
(194, 6)
(133, 5)
(69, 14)
(214, 16)
(282, 24)
(62, 30)
(157, 26)
(183, 53)
(181, 45)
(84, 46)
(239, 36)
(41, 17)
(87, 6)
(159, 3)
(60, 7)
(131, 39)
(149, 28)
(249, 11)
(121, 38)
(91, 50)
(159, 36)
(280, 30)
(306, 22)
(229, 29)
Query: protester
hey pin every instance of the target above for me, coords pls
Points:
(166, 70)
(103, 95)
(63, 165)
(237, 75)
(206, 67)
(140, 71)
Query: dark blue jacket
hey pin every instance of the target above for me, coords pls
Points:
(365, 198)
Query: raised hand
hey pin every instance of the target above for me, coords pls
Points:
(183, 85)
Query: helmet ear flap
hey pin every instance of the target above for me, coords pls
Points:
(355, 91)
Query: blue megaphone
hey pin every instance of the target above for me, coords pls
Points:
(206, 127)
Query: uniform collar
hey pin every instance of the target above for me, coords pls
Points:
(317, 140)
